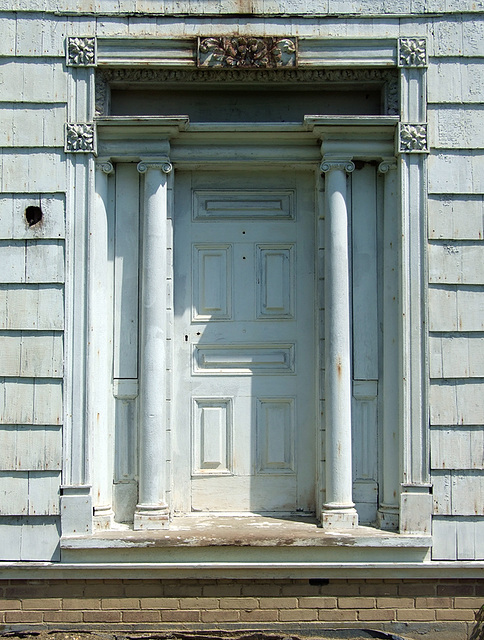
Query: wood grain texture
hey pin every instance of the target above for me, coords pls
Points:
(456, 309)
(13, 222)
(30, 448)
(457, 448)
(456, 356)
(30, 401)
(457, 402)
(32, 307)
(456, 217)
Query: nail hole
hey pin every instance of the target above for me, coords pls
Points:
(243, 257)
(243, 232)
(33, 215)
(186, 338)
(198, 333)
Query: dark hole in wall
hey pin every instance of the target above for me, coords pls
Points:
(33, 215)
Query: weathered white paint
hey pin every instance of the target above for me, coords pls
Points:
(456, 127)
(28, 354)
(152, 510)
(456, 309)
(457, 448)
(338, 510)
(450, 81)
(457, 172)
(13, 223)
(454, 217)
(30, 448)
(30, 401)
(38, 307)
(458, 493)
(456, 356)
(27, 170)
(456, 263)
(24, 80)
(21, 540)
(461, 403)
(32, 126)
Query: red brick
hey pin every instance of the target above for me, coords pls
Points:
(298, 615)
(40, 604)
(9, 604)
(356, 603)
(81, 603)
(120, 603)
(335, 615)
(159, 603)
(317, 602)
(369, 615)
(416, 615)
(455, 614)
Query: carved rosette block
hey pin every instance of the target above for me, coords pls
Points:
(81, 52)
(239, 52)
(412, 138)
(412, 52)
(79, 137)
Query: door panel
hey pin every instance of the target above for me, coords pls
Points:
(244, 342)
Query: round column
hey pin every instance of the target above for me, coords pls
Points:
(152, 511)
(339, 510)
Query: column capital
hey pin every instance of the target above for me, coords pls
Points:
(163, 164)
(387, 164)
(104, 165)
(342, 164)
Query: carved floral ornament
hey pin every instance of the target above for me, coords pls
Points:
(412, 52)
(247, 52)
(79, 137)
(413, 138)
(81, 52)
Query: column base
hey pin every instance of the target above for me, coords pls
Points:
(151, 517)
(103, 517)
(339, 518)
(388, 517)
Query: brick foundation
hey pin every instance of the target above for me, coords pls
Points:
(440, 608)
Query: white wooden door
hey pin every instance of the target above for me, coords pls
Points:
(244, 411)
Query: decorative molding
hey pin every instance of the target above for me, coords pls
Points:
(81, 52)
(412, 52)
(79, 137)
(105, 166)
(338, 163)
(162, 164)
(387, 78)
(412, 138)
(241, 52)
(386, 165)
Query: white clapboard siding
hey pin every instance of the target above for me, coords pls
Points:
(33, 493)
(30, 538)
(9, 30)
(457, 448)
(457, 538)
(35, 261)
(456, 263)
(30, 448)
(38, 307)
(47, 39)
(13, 223)
(30, 401)
(452, 81)
(457, 172)
(25, 80)
(458, 493)
(456, 356)
(32, 126)
(31, 354)
(455, 403)
(27, 170)
(456, 127)
(454, 217)
(453, 309)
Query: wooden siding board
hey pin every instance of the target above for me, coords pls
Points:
(9, 31)
(450, 81)
(25, 80)
(456, 356)
(444, 535)
(32, 126)
(473, 36)
(458, 493)
(40, 538)
(44, 261)
(30, 401)
(11, 537)
(14, 226)
(453, 309)
(456, 126)
(44, 493)
(30, 448)
(47, 39)
(457, 172)
(28, 170)
(39, 307)
(456, 217)
(457, 448)
(14, 493)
